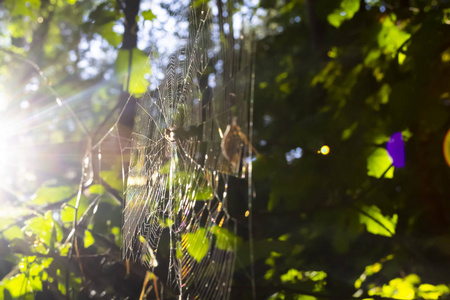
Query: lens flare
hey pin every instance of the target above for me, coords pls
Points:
(396, 150)
(4, 157)
(6, 153)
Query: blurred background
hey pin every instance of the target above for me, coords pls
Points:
(350, 121)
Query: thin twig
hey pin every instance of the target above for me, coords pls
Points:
(144, 285)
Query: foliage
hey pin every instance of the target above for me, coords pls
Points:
(343, 224)
(349, 74)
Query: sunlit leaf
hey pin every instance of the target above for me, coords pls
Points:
(345, 12)
(22, 7)
(138, 84)
(112, 37)
(401, 58)
(113, 179)
(165, 223)
(378, 163)
(45, 228)
(376, 222)
(14, 232)
(64, 248)
(46, 195)
(429, 291)
(196, 244)
(306, 297)
(37, 272)
(88, 239)
(148, 15)
(315, 275)
(202, 193)
(390, 37)
(225, 240)
(97, 189)
(399, 288)
(372, 269)
(68, 211)
(18, 286)
(291, 276)
(117, 235)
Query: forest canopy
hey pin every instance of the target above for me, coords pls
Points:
(350, 131)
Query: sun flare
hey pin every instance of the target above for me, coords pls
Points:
(4, 155)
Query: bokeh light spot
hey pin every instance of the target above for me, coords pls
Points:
(446, 147)
(325, 150)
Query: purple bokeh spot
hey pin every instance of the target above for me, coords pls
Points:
(396, 150)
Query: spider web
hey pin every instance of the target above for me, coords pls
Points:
(192, 133)
(190, 136)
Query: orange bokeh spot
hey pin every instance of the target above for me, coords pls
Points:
(446, 147)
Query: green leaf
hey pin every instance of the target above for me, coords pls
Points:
(429, 291)
(347, 133)
(390, 37)
(68, 211)
(88, 239)
(281, 77)
(9, 215)
(225, 240)
(139, 68)
(165, 222)
(372, 269)
(345, 12)
(23, 285)
(306, 297)
(17, 286)
(44, 263)
(63, 248)
(148, 15)
(376, 222)
(316, 275)
(116, 231)
(47, 195)
(196, 243)
(97, 189)
(113, 178)
(45, 228)
(22, 7)
(112, 37)
(179, 253)
(292, 276)
(14, 232)
(378, 162)
(399, 288)
(201, 193)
